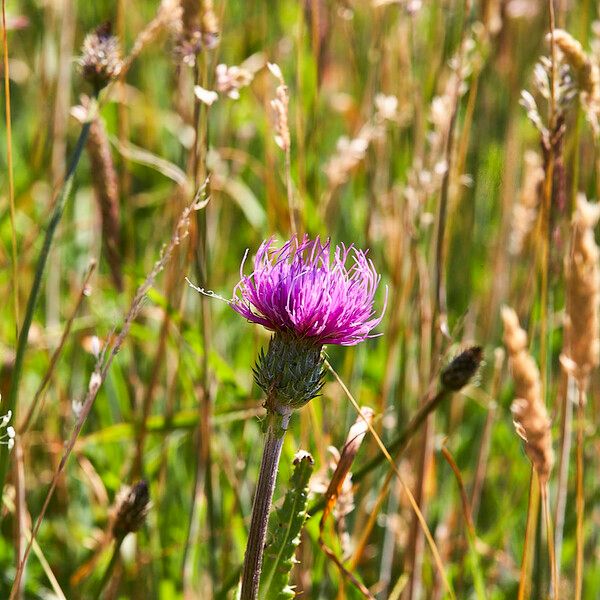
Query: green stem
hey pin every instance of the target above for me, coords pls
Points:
(36, 287)
(275, 430)
(109, 568)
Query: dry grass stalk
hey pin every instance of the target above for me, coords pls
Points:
(200, 29)
(582, 323)
(529, 411)
(280, 106)
(168, 17)
(582, 348)
(106, 191)
(338, 489)
(525, 211)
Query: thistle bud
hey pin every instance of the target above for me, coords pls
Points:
(460, 370)
(131, 507)
(100, 60)
(290, 372)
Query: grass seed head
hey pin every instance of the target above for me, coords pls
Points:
(582, 322)
(100, 61)
(461, 369)
(131, 508)
(529, 411)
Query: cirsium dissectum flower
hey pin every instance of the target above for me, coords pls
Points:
(302, 290)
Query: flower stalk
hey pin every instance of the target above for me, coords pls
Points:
(309, 297)
(275, 428)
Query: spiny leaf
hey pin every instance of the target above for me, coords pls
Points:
(283, 535)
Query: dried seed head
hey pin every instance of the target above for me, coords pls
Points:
(131, 508)
(7, 438)
(582, 266)
(532, 424)
(100, 61)
(584, 69)
(461, 369)
(525, 373)
(529, 411)
(280, 107)
(386, 107)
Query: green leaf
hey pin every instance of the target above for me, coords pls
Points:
(283, 534)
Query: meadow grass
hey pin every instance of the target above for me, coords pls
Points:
(459, 142)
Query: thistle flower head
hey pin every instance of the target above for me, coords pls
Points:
(302, 290)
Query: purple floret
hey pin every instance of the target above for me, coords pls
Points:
(299, 289)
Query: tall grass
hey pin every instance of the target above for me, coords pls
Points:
(397, 126)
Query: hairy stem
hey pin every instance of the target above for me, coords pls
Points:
(275, 430)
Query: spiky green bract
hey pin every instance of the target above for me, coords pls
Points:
(290, 372)
(283, 536)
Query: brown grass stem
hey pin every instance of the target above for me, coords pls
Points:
(546, 210)
(9, 164)
(289, 186)
(529, 541)
(441, 309)
(203, 473)
(550, 540)
(563, 466)
(21, 514)
(580, 498)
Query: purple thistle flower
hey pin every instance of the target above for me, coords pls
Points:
(301, 290)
